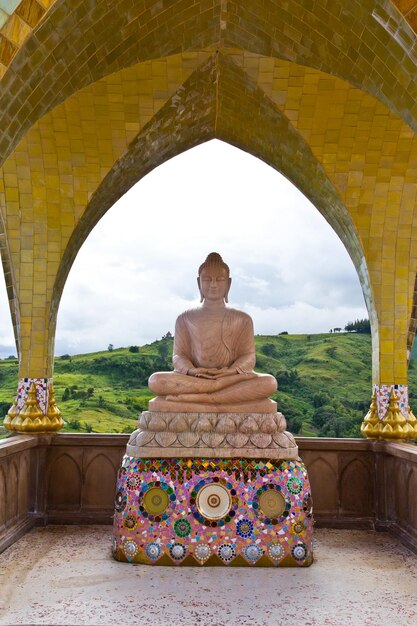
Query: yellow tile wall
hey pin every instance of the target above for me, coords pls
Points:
(46, 183)
(370, 155)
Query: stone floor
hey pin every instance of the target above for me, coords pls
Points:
(66, 576)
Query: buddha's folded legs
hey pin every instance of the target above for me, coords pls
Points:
(236, 388)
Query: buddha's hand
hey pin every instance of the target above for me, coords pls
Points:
(223, 371)
(201, 372)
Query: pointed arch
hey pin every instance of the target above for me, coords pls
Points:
(202, 109)
(74, 47)
(12, 491)
(3, 499)
(64, 483)
(410, 495)
(99, 482)
(323, 480)
(356, 488)
(24, 485)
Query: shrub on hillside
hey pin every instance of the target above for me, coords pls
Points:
(269, 349)
(323, 414)
(294, 424)
(287, 379)
(320, 398)
(4, 407)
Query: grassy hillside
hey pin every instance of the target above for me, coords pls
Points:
(324, 380)
(324, 383)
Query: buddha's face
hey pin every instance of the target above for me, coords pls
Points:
(214, 283)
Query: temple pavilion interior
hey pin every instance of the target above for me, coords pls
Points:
(96, 94)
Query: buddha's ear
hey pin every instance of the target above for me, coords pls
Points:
(226, 297)
(199, 289)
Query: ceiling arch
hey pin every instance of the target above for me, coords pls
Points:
(204, 108)
(79, 41)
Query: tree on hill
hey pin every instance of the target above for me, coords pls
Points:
(320, 398)
(268, 349)
(163, 349)
(323, 414)
(287, 379)
(359, 326)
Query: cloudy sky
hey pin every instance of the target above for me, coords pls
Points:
(137, 270)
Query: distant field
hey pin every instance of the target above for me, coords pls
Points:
(324, 383)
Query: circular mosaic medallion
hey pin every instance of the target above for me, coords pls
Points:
(133, 482)
(299, 551)
(294, 485)
(130, 548)
(298, 528)
(182, 527)
(244, 528)
(121, 501)
(202, 552)
(153, 551)
(130, 522)
(177, 551)
(270, 505)
(227, 552)
(276, 552)
(157, 500)
(253, 552)
(213, 501)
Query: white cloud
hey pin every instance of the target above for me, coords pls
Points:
(137, 270)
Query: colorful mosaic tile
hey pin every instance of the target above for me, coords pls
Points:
(42, 388)
(213, 512)
(383, 394)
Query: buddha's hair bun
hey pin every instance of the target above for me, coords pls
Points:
(213, 259)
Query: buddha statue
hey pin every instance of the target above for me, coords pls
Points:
(214, 355)
(211, 445)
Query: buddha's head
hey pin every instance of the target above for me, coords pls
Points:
(214, 278)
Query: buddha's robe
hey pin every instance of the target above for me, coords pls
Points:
(214, 339)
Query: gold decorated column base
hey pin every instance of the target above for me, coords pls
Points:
(393, 426)
(31, 418)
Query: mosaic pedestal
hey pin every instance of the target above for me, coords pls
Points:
(238, 512)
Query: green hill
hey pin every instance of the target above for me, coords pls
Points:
(324, 383)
